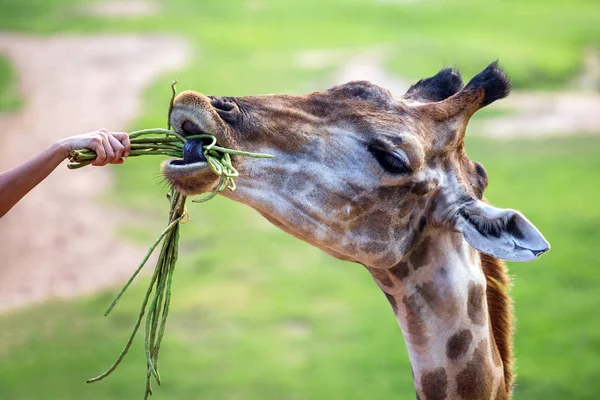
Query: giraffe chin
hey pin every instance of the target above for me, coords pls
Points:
(189, 179)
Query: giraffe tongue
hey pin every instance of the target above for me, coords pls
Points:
(192, 153)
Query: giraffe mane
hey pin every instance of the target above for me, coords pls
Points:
(500, 308)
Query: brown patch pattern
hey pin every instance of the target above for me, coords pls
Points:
(440, 306)
(434, 384)
(475, 304)
(429, 293)
(381, 277)
(458, 344)
(400, 270)
(415, 325)
(421, 255)
(475, 381)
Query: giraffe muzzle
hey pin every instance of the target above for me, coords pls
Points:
(193, 154)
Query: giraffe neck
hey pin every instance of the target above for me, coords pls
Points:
(438, 293)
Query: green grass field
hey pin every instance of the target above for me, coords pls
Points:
(278, 319)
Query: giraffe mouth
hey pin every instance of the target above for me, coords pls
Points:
(193, 155)
(193, 159)
(190, 174)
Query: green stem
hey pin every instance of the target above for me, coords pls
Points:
(137, 271)
(242, 153)
(147, 146)
(156, 139)
(131, 336)
(172, 264)
(160, 265)
(156, 131)
(173, 94)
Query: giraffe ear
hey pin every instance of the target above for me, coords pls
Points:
(505, 234)
(439, 87)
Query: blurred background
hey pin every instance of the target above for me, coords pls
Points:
(272, 317)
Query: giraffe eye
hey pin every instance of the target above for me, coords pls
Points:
(394, 161)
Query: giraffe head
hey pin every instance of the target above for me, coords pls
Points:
(358, 172)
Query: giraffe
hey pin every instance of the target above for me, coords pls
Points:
(385, 181)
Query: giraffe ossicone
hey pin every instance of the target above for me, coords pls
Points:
(385, 181)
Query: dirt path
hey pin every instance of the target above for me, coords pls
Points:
(58, 241)
(545, 114)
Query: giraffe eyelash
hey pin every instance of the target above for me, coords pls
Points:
(394, 161)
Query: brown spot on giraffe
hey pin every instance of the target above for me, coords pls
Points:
(421, 255)
(435, 384)
(475, 303)
(441, 304)
(429, 293)
(400, 270)
(458, 344)
(381, 276)
(416, 327)
(475, 381)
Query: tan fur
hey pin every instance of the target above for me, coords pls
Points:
(501, 312)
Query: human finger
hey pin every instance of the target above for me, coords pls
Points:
(124, 139)
(98, 147)
(110, 153)
(116, 146)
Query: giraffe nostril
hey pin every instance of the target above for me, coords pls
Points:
(190, 128)
(222, 104)
(225, 107)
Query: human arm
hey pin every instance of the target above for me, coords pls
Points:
(18, 181)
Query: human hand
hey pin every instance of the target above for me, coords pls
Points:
(110, 147)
